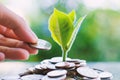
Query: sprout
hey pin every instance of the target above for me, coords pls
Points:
(64, 28)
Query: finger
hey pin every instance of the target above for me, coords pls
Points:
(2, 56)
(7, 32)
(14, 53)
(17, 24)
(16, 44)
(2, 29)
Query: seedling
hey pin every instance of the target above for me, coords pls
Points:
(64, 28)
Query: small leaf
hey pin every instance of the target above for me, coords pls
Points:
(72, 15)
(74, 34)
(61, 28)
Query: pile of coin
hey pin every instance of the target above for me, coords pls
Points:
(72, 69)
(56, 69)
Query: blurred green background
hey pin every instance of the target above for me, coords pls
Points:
(99, 36)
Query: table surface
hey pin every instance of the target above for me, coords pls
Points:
(14, 68)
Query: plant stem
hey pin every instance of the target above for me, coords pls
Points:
(64, 55)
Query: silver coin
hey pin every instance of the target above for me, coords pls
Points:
(85, 78)
(46, 61)
(42, 44)
(87, 72)
(31, 69)
(57, 78)
(51, 66)
(56, 73)
(104, 75)
(98, 70)
(26, 73)
(55, 60)
(83, 64)
(41, 66)
(32, 77)
(76, 61)
(38, 67)
(65, 65)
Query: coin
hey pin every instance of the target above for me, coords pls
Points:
(41, 44)
(46, 61)
(32, 77)
(83, 64)
(87, 72)
(85, 78)
(98, 70)
(31, 69)
(55, 60)
(65, 65)
(56, 73)
(56, 78)
(44, 68)
(25, 73)
(28, 72)
(76, 61)
(72, 69)
(51, 66)
(41, 66)
(105, 75)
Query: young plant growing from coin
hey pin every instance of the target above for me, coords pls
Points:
(64, 28)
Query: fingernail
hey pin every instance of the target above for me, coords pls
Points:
(33, 37)
(35, 52)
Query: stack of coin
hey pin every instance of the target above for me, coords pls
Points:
(56, 69)
(72, 69)
(44, 68)
(64, 65)
(78, 62)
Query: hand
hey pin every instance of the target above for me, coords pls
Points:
(15, 35)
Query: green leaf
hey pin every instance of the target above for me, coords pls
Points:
(61, 28)
(72, 15)
(74, 34)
